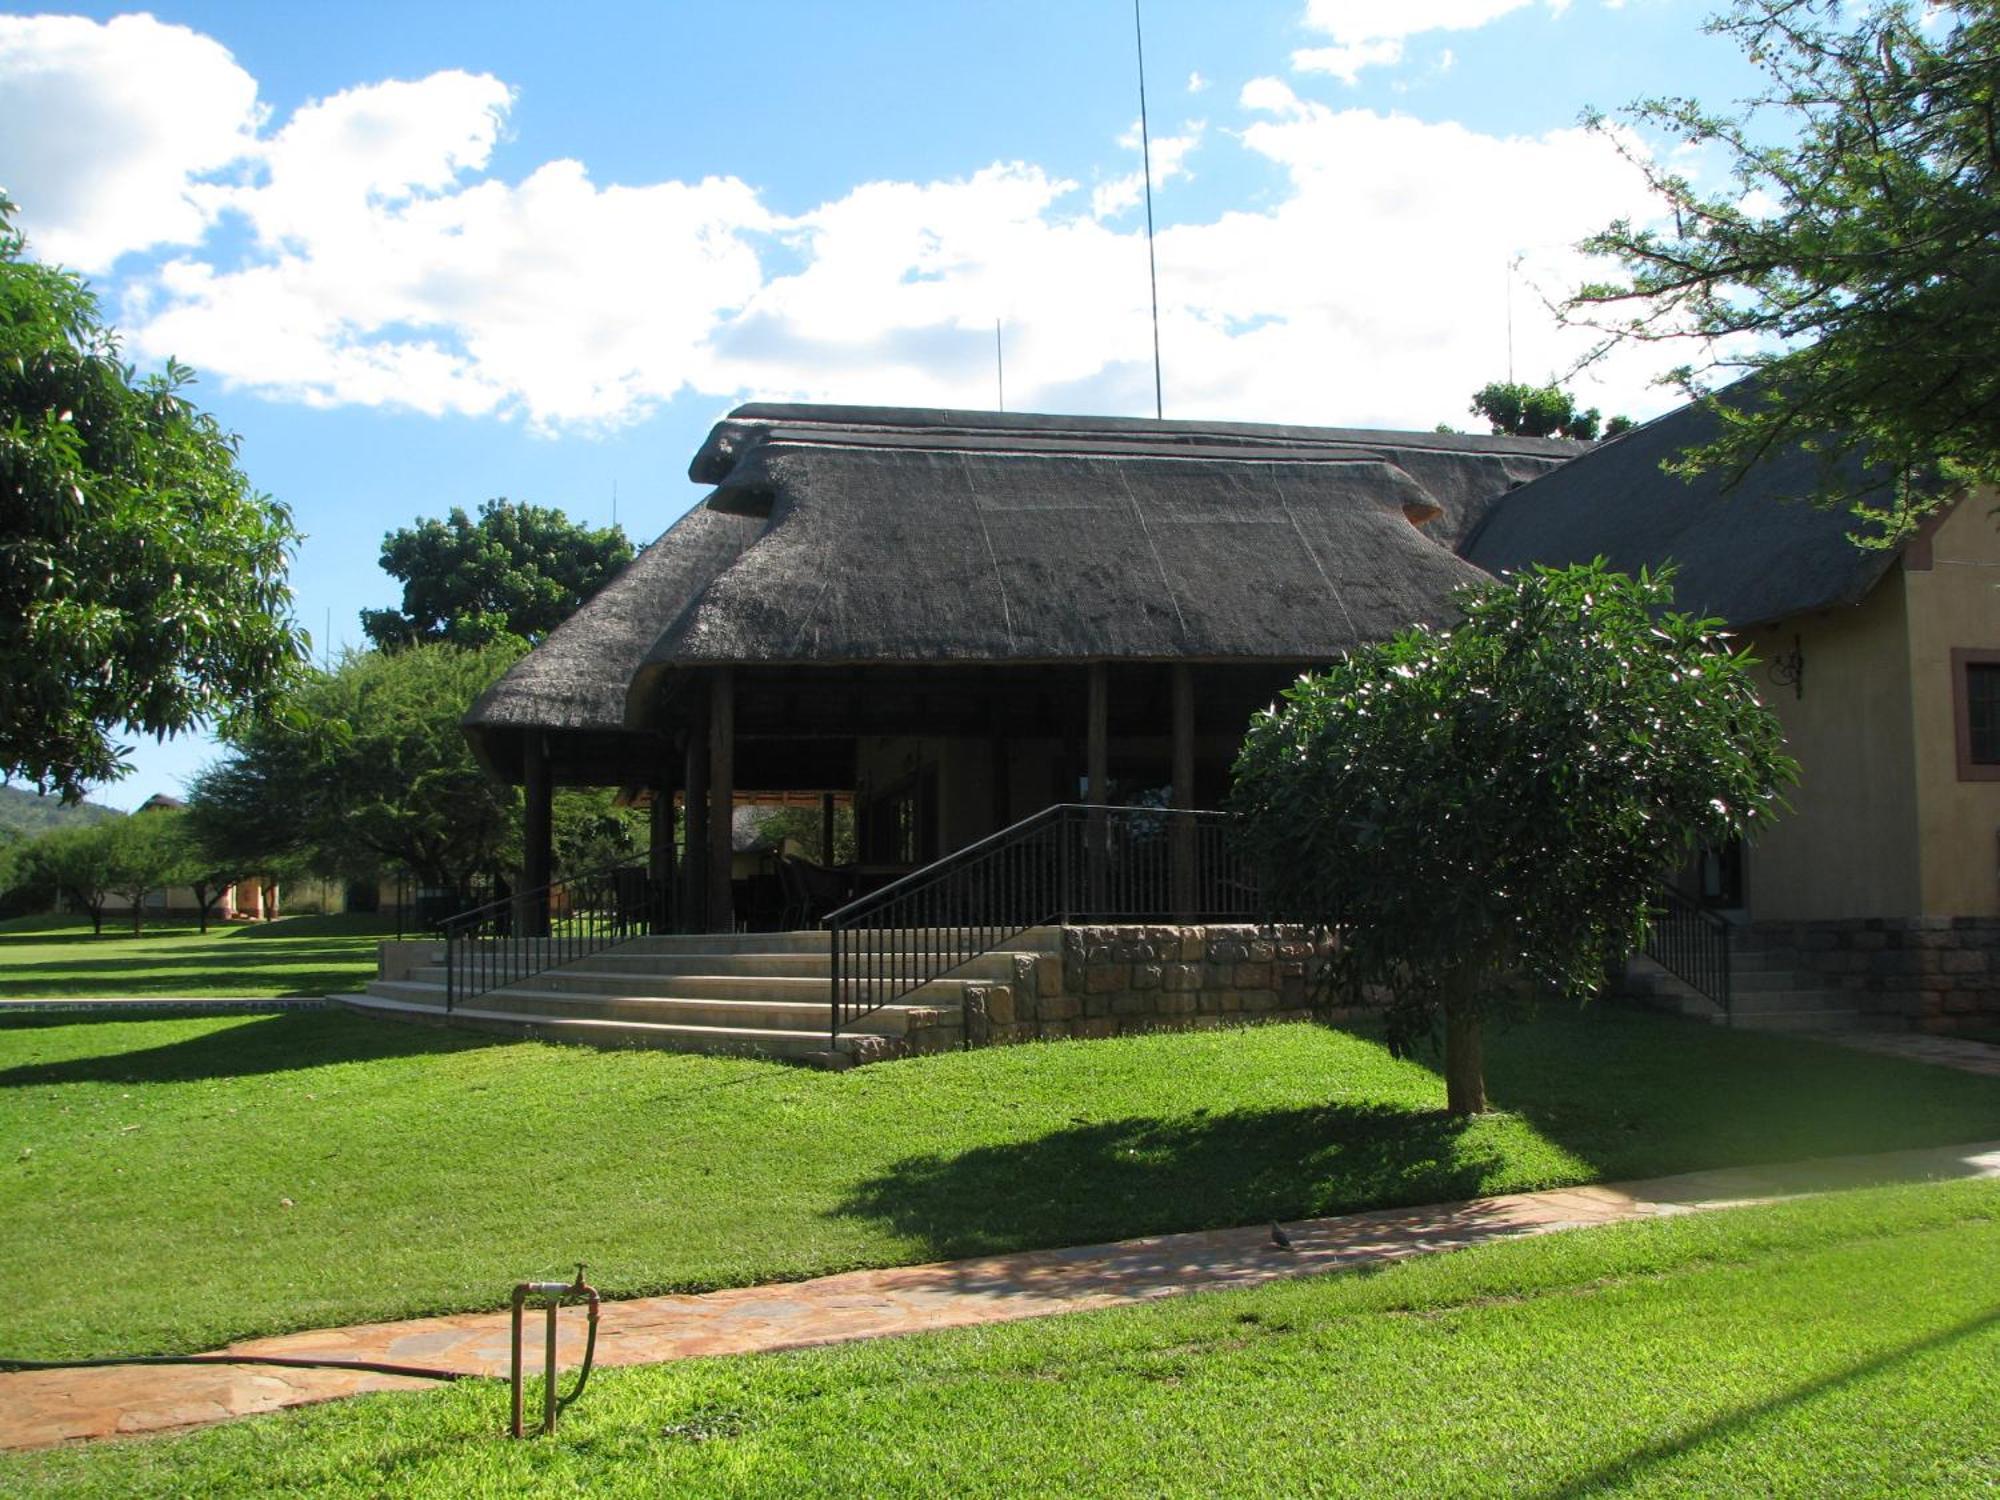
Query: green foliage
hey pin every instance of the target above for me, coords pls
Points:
(142, 580)
(1498, 801)
(518, 570)
(1517, 409)
(802, 825)
(589, 832)
(146, 855)
(1851, 261)
(370, 770)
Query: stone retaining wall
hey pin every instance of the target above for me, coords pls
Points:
(1110, 981)
(1933, 974)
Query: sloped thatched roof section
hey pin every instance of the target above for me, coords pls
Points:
(924, 555)
(1747, 555)
(577, 678)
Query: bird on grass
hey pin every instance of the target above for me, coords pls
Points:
(1279, 1239)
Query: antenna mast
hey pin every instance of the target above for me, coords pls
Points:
(1146, 158)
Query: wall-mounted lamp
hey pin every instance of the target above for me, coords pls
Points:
(1789, 670)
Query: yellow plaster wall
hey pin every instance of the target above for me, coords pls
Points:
(1954, 603)
(1848, 848)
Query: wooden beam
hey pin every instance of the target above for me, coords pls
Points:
(694, 821)
(721, 912)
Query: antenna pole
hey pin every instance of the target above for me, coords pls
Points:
(614, 503)
(999, 369)
(1146, 159)
(1511, 264)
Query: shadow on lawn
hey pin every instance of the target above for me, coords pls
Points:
(1636, 1467)
(1132, 1177)
(270, 1044)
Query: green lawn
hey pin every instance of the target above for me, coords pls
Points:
(204, 1178)
(1847, 1345)
(40, 959)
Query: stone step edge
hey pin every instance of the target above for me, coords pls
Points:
(783, 1043)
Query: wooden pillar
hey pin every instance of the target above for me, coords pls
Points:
(826, 828)
(1002, 790)
(694, 822)
(1186, 884)
(1097, 736)
(660, 855)
(537, 836)
(1097, 778)
(721, 798)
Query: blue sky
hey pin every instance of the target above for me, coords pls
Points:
(423, 255)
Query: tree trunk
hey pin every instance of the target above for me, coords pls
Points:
(1464, 1059)
(138, 912)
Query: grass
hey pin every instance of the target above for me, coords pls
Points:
(210, 1178)
(1845, 1345)
(42, 959)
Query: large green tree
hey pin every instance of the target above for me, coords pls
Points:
(1851, 262)
(370, 770)
(518, 570)
(1487, 809)
(142, 579)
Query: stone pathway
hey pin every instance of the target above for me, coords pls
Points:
(1945, 1051)
(39, 1408)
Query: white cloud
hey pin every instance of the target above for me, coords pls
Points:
(381, 262)
(1169, 152)
(1372, 33)
(1196, 83)
(102, 155)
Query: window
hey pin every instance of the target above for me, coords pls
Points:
(1975, 692)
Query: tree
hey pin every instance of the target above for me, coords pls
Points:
(370, 769)
(77, 862)
(142, 580)
(205, 857)
(143, 857)
(518, 570)
(1488, 809)
(1517, 409)
(1852, 264)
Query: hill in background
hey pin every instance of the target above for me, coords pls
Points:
(22, 811)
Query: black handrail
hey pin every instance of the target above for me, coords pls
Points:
(1067, 863)
(1691, 943)
(530, 932)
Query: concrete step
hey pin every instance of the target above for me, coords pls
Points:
(813, 990)
(593, 1031)
(757, 1013)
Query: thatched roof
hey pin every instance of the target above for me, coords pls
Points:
(577, 678)
(1746, 554)
(852, 535)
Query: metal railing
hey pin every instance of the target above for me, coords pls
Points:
(1691, 943)
(529, 932)
(1067, 863)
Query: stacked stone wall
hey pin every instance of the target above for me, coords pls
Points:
(1112, 981)
(1933, 974)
